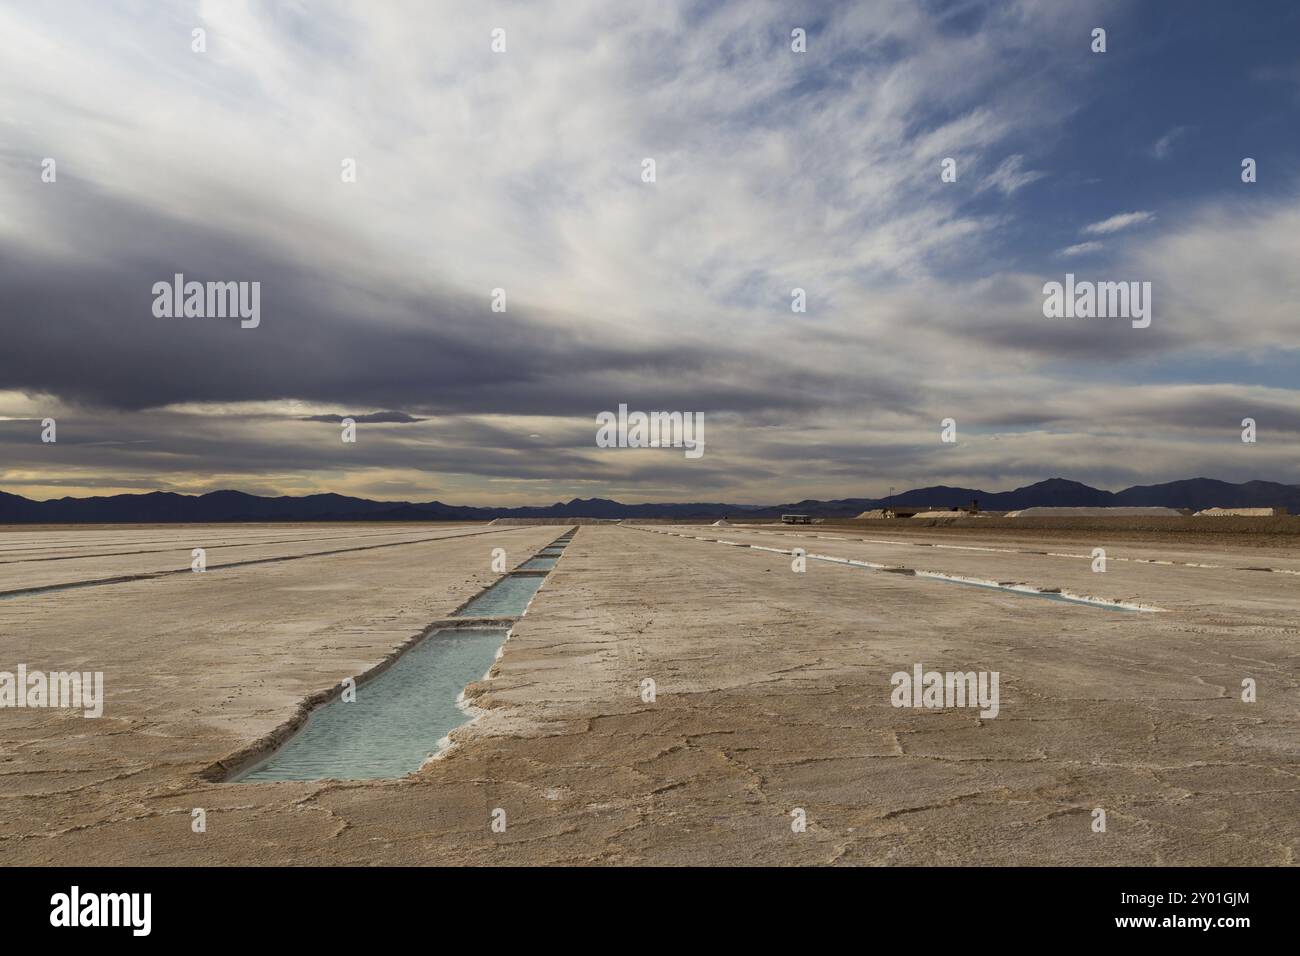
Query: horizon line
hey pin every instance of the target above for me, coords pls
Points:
(561, 501)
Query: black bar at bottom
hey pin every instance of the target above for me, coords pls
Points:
(636, 907)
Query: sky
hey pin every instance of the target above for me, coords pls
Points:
(523, 169)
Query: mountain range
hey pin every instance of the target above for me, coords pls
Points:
(163, 507)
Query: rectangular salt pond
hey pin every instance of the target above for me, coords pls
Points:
(397, 719)
(507, 598)
(1003, 588)
(1046, 595)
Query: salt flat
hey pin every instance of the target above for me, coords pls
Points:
(772, 694)
(32, 567)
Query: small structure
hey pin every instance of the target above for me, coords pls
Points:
(923, 511)
(796, 519)
(912, 511)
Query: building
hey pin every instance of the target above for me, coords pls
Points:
(928, 511)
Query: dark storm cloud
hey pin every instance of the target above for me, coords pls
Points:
(81, 327)
(395, 418)
(160, 443)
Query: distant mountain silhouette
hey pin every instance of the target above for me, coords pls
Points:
(164, 507)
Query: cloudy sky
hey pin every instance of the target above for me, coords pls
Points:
(522, 170)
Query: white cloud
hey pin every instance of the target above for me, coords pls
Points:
(1082, 248)
(1118, 222)
(1010, 176)
(1164, 145)
(1227, 277)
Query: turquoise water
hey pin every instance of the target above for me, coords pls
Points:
(507, 598)
(397, 718)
